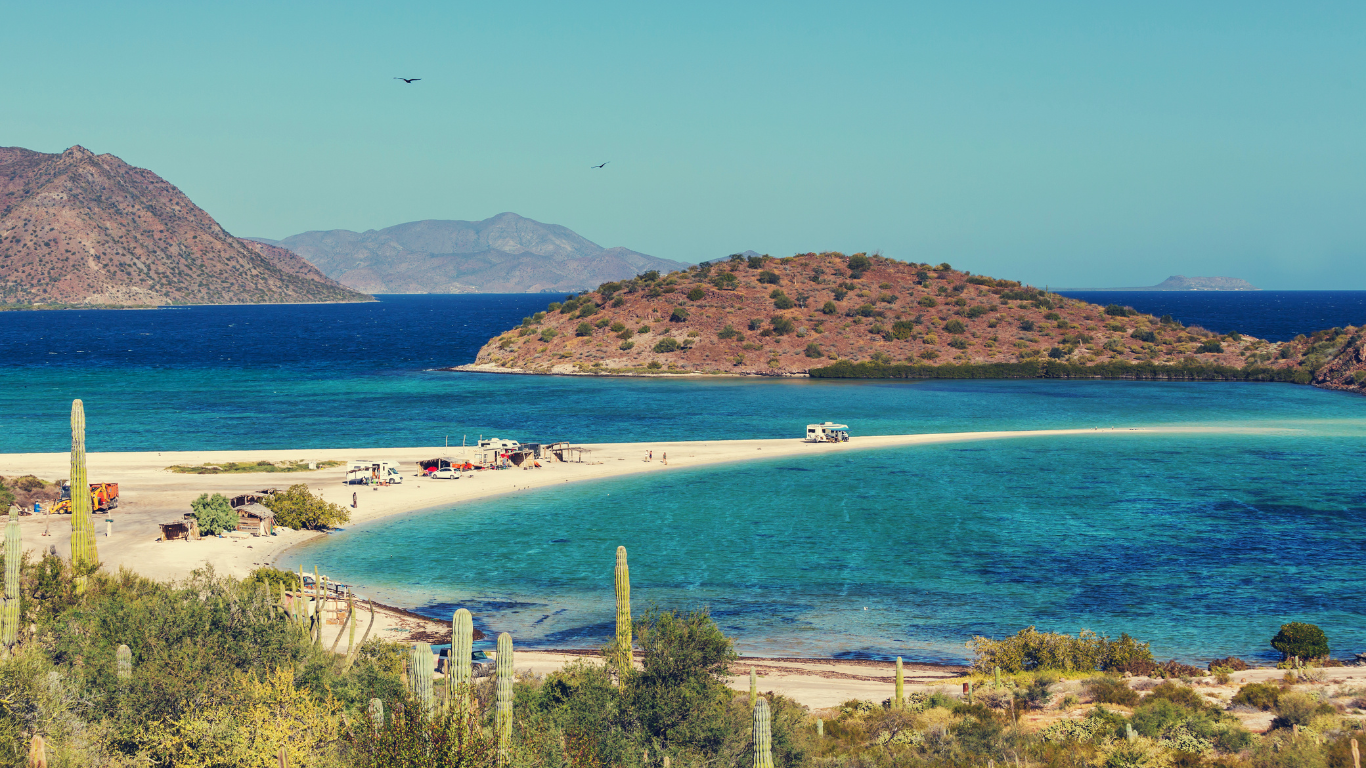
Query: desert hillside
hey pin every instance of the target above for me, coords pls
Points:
(506, 253)
(761, 315)
(79, 228)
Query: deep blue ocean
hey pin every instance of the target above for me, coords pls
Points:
(1202, 544)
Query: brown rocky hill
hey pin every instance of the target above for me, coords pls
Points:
(506, 253)
(80, 228)
(770, 316)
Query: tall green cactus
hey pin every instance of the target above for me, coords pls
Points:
(996, 677)
(82, 527)
(900, 700)
(376, 712)
(753, 687)
(504, 699)
(459, 676)
(124, 656)
(9, 632)
(820, 728)
(622, 647)
(763, 736)
(420, 676)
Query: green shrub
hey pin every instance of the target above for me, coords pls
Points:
(679, 315)
(840, 293)
(1210, 346)
(1057, 353)
(813, 350)
(625, 345)
(1298, 708)
(696, 294)
(583, 329)
(927, 301)
(548, 333)
(299, 509)
(1115, 310)
(783, 302)
(729, 332)
(588, 308)
(654, 365)
(976, 311)
(1030, 650)
(726, 281)
(1026, 325)
(858, 263)
(643, 329)
(666, 344)
(829, 308)
(955, 326)
(782, 325)
(1359, 376)
(902, 329)
(618, 327)
(768, 277)
(1111, 690)
(214, 514)
(1144, 334)
(603, 322)
(959, 343)
(1305, 641)
(1262, 696)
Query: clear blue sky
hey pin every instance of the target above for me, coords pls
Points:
(1073, 144)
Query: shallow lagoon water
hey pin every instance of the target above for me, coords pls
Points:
(1202, 544)
(1185, 541)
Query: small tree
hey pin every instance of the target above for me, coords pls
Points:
(584, 329)
(696, 294)
(814, 350)
(679, 315)
(666, 345)
(214, 514)
(1305, 641)
(858, 263)
(298, 508)
(769, 277)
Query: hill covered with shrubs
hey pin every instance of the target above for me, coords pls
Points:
(827, 314)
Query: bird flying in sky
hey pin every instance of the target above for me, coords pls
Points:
(408, 80)
(599, 166)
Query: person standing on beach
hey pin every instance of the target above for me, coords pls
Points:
(353, 499)
(666, 459)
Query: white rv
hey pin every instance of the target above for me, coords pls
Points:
(373, 472)
(499, 444)
(827, 433)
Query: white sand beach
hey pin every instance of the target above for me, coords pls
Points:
(150, 494)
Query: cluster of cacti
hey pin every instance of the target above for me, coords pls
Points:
(504, 699)
(420, 676)
(124, 657)
(622, 647)
(899, 701)
(9, 632)
(753, 687)
(763, 736)
(82, 526)
(459, 675)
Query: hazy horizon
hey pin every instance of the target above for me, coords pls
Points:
(1062, 143)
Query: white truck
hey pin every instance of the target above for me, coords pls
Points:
(363, 472)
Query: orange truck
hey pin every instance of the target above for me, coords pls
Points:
(103, 497)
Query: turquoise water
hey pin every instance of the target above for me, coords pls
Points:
(1202, 545)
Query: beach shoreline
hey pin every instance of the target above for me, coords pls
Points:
(150, 494)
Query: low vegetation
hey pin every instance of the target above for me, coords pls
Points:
(251, 467)
(298, 508)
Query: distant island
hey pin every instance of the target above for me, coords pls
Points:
(503, 254)
(80, 229)
(1183, 283)
(861, 316)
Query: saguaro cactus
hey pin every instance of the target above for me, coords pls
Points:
(82, 527)
(420, 675)
(504, 697)
(763, 736)
(900, 700)
(124, 655)
(996, 677)
(458, 673)
(820, 728)
(622, 649)
(753, 687)
(9, 633)
(376, 712)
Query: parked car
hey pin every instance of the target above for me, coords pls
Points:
(481, 664)
(445, 473)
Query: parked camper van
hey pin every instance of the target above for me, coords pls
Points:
(499, 444)
(362, 472)
(827, 433)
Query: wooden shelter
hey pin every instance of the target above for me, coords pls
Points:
(255, 518)
(186, 528)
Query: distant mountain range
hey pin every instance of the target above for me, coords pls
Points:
(80, 228)
(1183, 283)
(503, 254)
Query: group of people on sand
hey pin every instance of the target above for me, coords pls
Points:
(650, 456)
